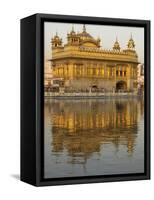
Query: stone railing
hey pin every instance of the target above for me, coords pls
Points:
(90, 94)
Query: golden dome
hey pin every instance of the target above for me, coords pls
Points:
(87, 38)
(84, 35)
(82, 39)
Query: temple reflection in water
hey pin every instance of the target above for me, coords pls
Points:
(83, 130)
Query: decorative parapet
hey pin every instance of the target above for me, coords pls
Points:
(96, 53)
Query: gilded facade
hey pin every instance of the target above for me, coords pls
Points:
(84, 65)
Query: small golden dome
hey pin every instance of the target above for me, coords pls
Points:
(56, 37)
(116, 46)
(56, 40)
(131, 43)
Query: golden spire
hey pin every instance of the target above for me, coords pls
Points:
(116, 45)
(72, 31)
(98, 38)
(84, 28)
(72, 28)
(131, 43)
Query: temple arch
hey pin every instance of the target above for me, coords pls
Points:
(121, 85)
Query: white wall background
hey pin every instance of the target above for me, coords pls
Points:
(10, 14)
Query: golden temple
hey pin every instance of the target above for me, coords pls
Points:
(81, 64)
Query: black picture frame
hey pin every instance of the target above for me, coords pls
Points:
(32, 99)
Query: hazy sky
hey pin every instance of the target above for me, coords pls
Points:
(107, 34)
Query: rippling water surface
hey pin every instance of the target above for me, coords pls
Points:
(93, 137)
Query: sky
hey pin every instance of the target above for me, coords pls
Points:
(107, 35)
